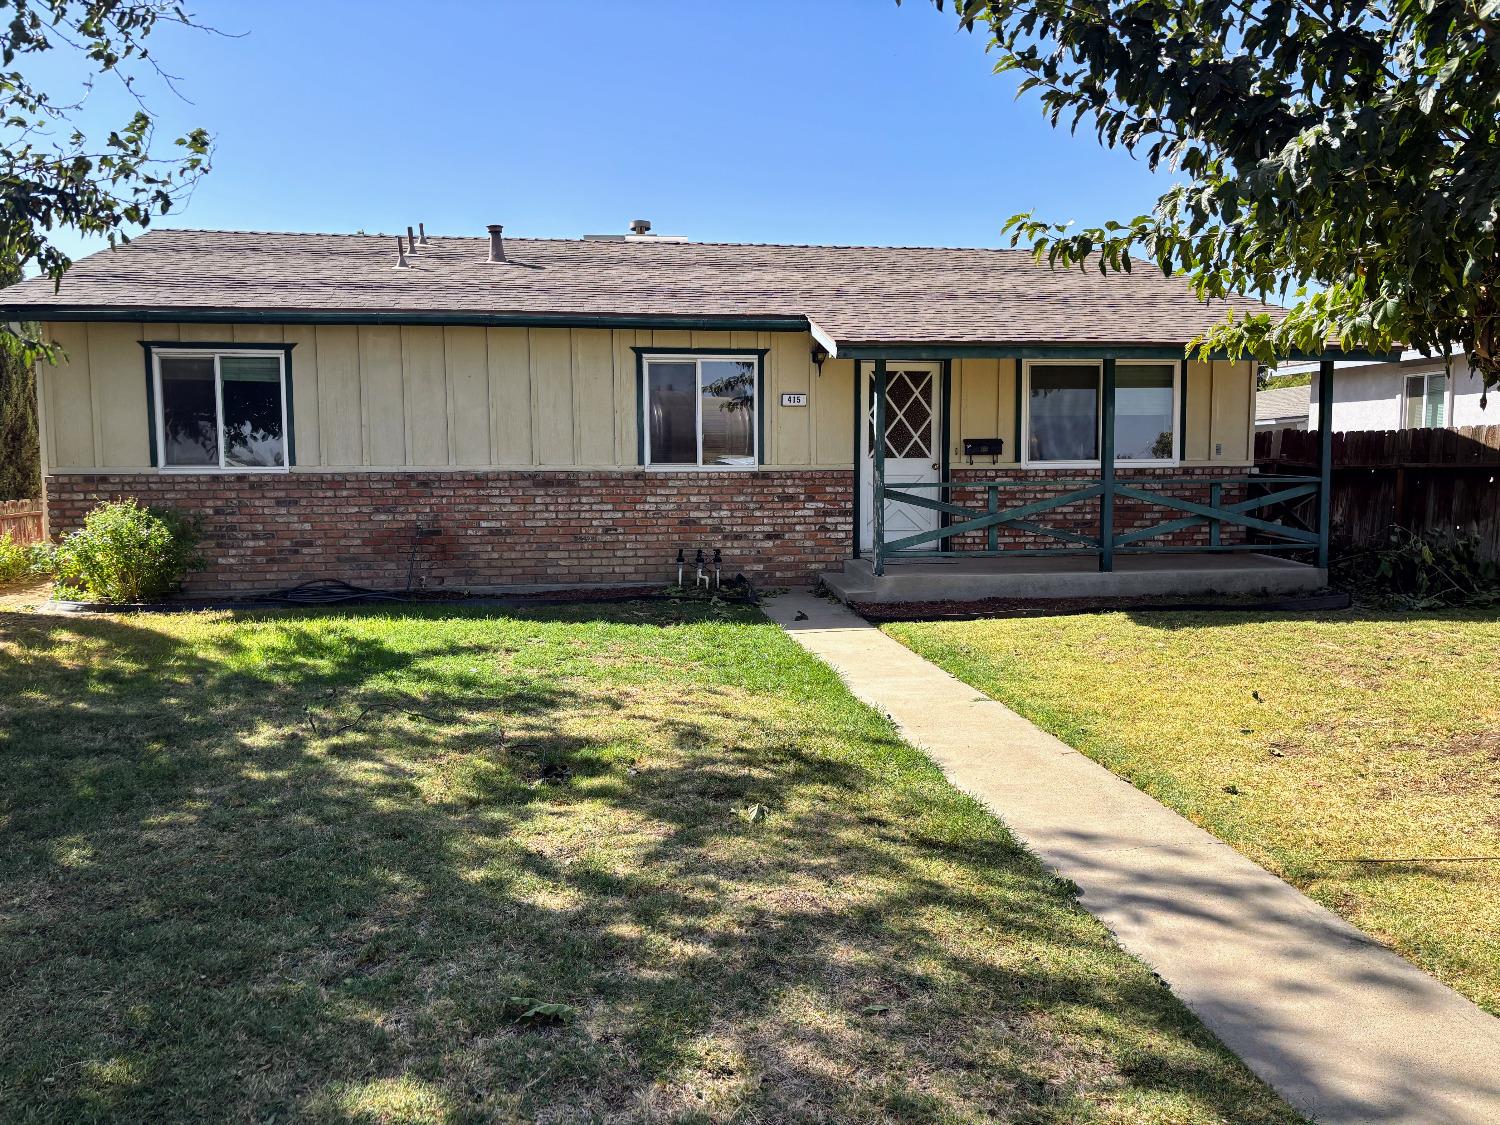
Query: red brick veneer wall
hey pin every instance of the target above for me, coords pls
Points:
(496, 528)
(1082, 517)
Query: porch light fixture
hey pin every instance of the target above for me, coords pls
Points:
(818, 356)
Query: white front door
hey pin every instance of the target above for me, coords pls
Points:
(913, 452)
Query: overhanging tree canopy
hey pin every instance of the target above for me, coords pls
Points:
(1351, 146)
(54, 174)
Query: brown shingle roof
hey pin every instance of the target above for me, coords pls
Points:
(856, 294)
(1282, 402)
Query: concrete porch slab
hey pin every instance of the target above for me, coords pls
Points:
(1072, 576)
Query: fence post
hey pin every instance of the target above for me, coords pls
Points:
(1215, 500)
(1107, 471)
(992, 505)
(1325, 458)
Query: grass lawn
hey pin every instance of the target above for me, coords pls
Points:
(299, 865)
(1306, 743)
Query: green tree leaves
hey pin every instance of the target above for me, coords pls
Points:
(54, 175)
(1345, 153)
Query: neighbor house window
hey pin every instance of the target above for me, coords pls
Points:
(1063, 404)
(221, 410)
(1426, 400)
(701, 411)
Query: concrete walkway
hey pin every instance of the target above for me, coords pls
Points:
(1345, 1030)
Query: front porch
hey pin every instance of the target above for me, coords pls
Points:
(1126, 524)
(970, 579)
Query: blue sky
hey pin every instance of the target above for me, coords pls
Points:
(845, 121)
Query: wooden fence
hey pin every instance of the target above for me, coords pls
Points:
(22, 520)
(1437, 482)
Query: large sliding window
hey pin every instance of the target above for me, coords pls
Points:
(220, 409)
(701, 411)
(1062, 402)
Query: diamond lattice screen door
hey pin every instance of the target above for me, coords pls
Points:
(912, 451)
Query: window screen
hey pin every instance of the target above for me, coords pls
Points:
(728, 412)
(1434, 412)
(252, 411)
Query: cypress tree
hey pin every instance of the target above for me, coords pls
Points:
(20, 453)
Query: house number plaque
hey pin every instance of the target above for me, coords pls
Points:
(793, 400)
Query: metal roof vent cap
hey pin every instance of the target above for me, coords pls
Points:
(640, 231)
(497, 242)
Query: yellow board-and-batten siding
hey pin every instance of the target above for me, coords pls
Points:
(428, 397)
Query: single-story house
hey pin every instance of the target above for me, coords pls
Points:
(1410, 393)
(496, 412)
(1282, 408)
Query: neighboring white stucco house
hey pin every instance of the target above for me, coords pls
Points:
(1409, 394)
(1281, 408)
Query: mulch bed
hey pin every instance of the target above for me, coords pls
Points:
(879, 612)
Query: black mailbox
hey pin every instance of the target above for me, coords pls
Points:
(983, 447)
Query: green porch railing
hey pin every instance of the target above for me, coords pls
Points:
(967, 519)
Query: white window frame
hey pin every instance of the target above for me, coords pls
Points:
(1177, 438)
(1426, 376)
(698, 359)
(216, 354)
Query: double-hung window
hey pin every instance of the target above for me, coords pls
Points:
(1063, 412)
(701, 411)
(1426, 401)
(220, 409)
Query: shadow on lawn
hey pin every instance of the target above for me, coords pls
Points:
(247, 877)
(1331, 972)
(1173, 619)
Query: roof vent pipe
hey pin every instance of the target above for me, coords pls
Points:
(422, 234)
(401, 262)
(411, 239)
(640, 226)
(497, 242)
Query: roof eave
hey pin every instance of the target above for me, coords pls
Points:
(1042, 349)
(198, 315)
(843, 349)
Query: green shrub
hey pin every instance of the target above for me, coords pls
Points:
(1413, 571)
(23, 562)
(125, 552)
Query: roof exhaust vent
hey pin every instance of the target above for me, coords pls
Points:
(497, 242)
(422, 235)
(401, 262)
(411, 240)
(640, 231)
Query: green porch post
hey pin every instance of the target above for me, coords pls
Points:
(1325, 458)
(877, 492)
(858, 457)
(1107, 470)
